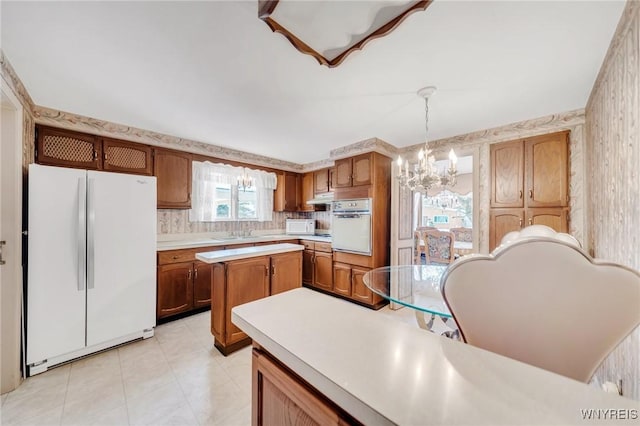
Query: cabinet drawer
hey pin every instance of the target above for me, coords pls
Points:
(308, 245)
(183, 255)
(325, 247)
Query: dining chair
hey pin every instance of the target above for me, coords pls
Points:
(438, 246)
(542, 300)
(463, 234)
(418, 243)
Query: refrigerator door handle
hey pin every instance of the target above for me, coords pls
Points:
(82, 233)
(91, 219)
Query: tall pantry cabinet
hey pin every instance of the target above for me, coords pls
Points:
(529, 185)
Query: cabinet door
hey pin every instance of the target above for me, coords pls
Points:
(173, 171)
(307, 267)
(362, 169)
(323, 270)
(547, 171)
(343, 173)
(58, 147)
(556, 218)
(307, 192)
(503, 221)
(247, 280)
(342, 279)
(126, 157)
(286, 272)
(359, 291)
(286, 198)
(279, 398)
(202, 278)
(507, 174)
(321, 181)
(175, 289)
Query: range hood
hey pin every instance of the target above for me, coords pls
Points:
(325, 198)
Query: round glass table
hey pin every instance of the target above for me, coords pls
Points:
(417, 287)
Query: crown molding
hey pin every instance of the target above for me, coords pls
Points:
(15, 84)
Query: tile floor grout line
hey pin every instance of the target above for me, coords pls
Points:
(124, 391)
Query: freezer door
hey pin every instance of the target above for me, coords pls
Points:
(56, 294)
(121, 255)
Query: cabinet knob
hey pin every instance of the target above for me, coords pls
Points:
(175, 257)
(530, 221)
(520, 222)
(531, 193)
(189, 274)
(521, 194)
(195, 273)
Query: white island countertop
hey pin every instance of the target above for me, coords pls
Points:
(384, 371)
(185, 241)
(246, 252)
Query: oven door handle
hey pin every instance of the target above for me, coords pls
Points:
(347, 216)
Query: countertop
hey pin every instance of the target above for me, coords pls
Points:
(185, 241)
(247, 252)
(384, 371)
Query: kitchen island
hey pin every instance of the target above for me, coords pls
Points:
(241, 275)
(351, 363)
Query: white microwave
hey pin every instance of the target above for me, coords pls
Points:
(300, 226)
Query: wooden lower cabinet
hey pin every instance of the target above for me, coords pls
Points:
(307, 267)
(503, 221)
(279, 397)
(241, 281)
(175, 289)
(348, 282)
(342, 279)
(184, 283)
(286, 272)
(556, 218)
(323, 270)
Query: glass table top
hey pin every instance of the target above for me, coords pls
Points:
(418, 286)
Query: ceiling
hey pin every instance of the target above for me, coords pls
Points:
(212, 71)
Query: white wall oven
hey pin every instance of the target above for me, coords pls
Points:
(352, 226)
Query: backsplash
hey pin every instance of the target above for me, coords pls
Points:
(172, 221)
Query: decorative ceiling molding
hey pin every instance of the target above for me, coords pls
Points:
(367, 145)
(9, 75)
(520, 129)
(266, 9)
(52, 117)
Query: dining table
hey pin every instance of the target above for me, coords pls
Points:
(417, 287)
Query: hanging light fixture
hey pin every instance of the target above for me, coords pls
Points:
(245, 181)
(425, 174)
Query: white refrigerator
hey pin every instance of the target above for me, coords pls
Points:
(91, 271)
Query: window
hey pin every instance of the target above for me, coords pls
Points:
(217, 197)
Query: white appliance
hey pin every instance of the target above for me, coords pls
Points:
(351, 226)
(91, 273)
(300, 226)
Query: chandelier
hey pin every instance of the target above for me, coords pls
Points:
(245, 181)
(425, 174)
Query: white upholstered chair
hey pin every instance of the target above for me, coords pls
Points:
(539, 298)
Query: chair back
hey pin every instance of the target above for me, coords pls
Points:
(463, 234)
(542, 300)
(418, 242)
(438, 246)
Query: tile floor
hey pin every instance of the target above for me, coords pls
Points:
(175, 378)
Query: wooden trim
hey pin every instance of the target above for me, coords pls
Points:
(266, 8)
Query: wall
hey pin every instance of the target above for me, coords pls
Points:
(177, 222)
(613, 181)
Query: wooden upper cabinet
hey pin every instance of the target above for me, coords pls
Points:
(307, 190)
(287, 197)
(119, 156)
(342, 173)
(321, 181)
(361, 169)
(172, 170)
(507, 174)
(353, 171)
(59, 147)
(547, 181)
